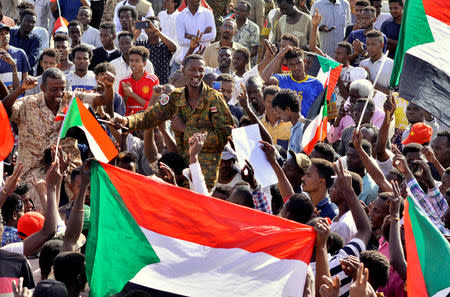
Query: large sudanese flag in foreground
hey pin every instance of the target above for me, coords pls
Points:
(428, 255)
(167, 238)
(422, 60)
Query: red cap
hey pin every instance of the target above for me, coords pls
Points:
(30, 223)
(420, 133)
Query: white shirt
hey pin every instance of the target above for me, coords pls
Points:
(385, 74)
(168, 24)
(333, 14)
(122, 70)
(345, 226)
(44, 14)
(92, 36)
(380, 20)
(150, 12)
(188, 23)
(87, 82)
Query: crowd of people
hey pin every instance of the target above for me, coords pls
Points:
(169, 80)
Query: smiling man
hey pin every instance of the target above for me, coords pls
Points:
(196, 108)
(90, 35)
(35, 118)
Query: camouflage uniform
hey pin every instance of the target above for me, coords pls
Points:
(210, 115)
(38, 131)
(108, 12)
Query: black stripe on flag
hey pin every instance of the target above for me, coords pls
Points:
(426, 86)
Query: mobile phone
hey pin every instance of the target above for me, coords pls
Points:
(217, 85)
(142, 25)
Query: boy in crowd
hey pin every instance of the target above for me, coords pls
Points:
(137, 89)
(81, 77)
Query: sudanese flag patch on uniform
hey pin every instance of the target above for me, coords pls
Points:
(213, 109)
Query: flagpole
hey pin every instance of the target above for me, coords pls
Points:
(372, 90)
(60, 130)
(326, 93)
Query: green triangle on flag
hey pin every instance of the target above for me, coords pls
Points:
(428, 254)
(118, 226)
(414, 31)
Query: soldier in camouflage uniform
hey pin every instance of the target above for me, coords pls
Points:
(200, 108)
(38, 131)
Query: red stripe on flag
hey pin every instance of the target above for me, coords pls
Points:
(320, 135)
(60, 22)
(179, 213)
(438, 9)
(415, 283)
(6, 135)
(334, 76)
(90, 123)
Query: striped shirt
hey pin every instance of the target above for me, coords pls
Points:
(354, 248)
(424, 201)
(260, 200)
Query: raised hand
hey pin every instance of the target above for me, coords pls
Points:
(271, 49)
(358, 45)
(343, 181)
(152, 28)
(53, 175)
(248, 175)
(13, 180)
(399, 161)
(19, 290)
(29, 82)
(390, 106)
(395, 201)
(322, 228)
(106, 80)
(361, 286)
(196, 143)
(428, 153)
(243, 98)
(350, 266)
(39, 185)
(5, 56)
(357, 140)
(195, 40)
(201, 50)
(167, 174)
(317, 18)
(127, 89)
(331, 287)
(269, 151)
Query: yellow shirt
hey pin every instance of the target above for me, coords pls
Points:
(280, 132)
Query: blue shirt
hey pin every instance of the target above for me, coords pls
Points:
(10, 235)
(22, 64)
(359, 34)
(370, 190)
(295, 140)
(391, 30)
(69, 9)
(119, 105)
(327, 208)
(307, 89)
(31, 44)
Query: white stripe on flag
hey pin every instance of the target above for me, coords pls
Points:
(94, 146)
(191, 269)
(442, 293)
(435, 53)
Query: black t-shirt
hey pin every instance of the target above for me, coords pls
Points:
(160, 56)
(12, 267)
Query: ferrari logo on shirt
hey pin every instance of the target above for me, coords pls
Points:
(145, 89)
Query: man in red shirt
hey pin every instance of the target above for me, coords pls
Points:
(137, 88)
